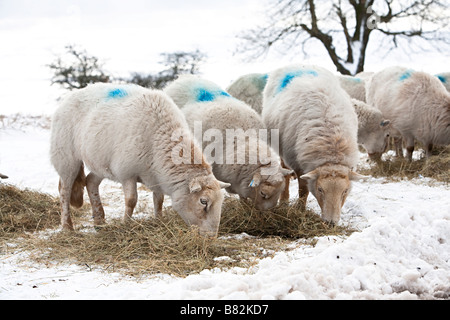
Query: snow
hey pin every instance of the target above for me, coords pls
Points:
(401, 252)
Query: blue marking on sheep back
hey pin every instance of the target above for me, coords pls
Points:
(357, 80)
(288, 77)
(117, 93)
(204, 95)
(442, 78)
(406, 75)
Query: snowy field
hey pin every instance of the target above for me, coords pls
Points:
(402, 250)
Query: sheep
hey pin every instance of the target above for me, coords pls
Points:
(445, 79)
(364, 75)
(127, 134)
(354, 86)
(249, 88)
(417, 104)
(2, 176)
(203, 102)
(318, 133)
(373, 129)
(372, 135)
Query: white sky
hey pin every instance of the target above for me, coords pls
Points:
(129, 37)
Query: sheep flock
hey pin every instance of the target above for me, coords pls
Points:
(193, 138)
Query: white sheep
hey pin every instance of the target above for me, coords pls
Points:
(125, 133)
(249, 88)
(445, 79)
(416, 103)
(202, 101)
(318, 133)
(354, 86)
(365, 75)
(373, 129)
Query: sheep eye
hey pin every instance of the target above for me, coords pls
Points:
(204, 202)
(320, 189)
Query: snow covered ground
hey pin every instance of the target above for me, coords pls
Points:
(401, 252)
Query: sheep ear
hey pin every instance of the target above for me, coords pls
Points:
(310, 175)
(286, 172)
(356, 176)
(385, 123)
(224, 185)
(194, 186)
(256, 180)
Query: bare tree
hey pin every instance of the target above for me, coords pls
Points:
(176, 63)
(182, 62)
(77, 69)
(344, 27)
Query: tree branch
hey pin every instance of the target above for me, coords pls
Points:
(292, 22)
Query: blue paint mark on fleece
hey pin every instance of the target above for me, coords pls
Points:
(288, 77)
(117, 93)
(442, 78)
(406, 75)
(204, 95)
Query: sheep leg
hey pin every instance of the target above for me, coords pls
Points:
(92, 183)
(131, 196)
(284, 197)
(409, 148)
(398, 142)
(429, 150)
(302, 191)
(65, 191)
(66, 182)
(158, 199)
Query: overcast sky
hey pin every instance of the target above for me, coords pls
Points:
(129, 35)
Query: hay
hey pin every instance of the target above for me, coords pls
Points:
(151, 246)
(288, 221)
(169, 246)
(437, 167)
(24, 211)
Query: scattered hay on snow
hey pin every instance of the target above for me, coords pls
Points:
(288, 221)
(150, 246)
(24, 211)
(437, 167)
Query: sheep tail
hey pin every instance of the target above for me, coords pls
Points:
(76, 197)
